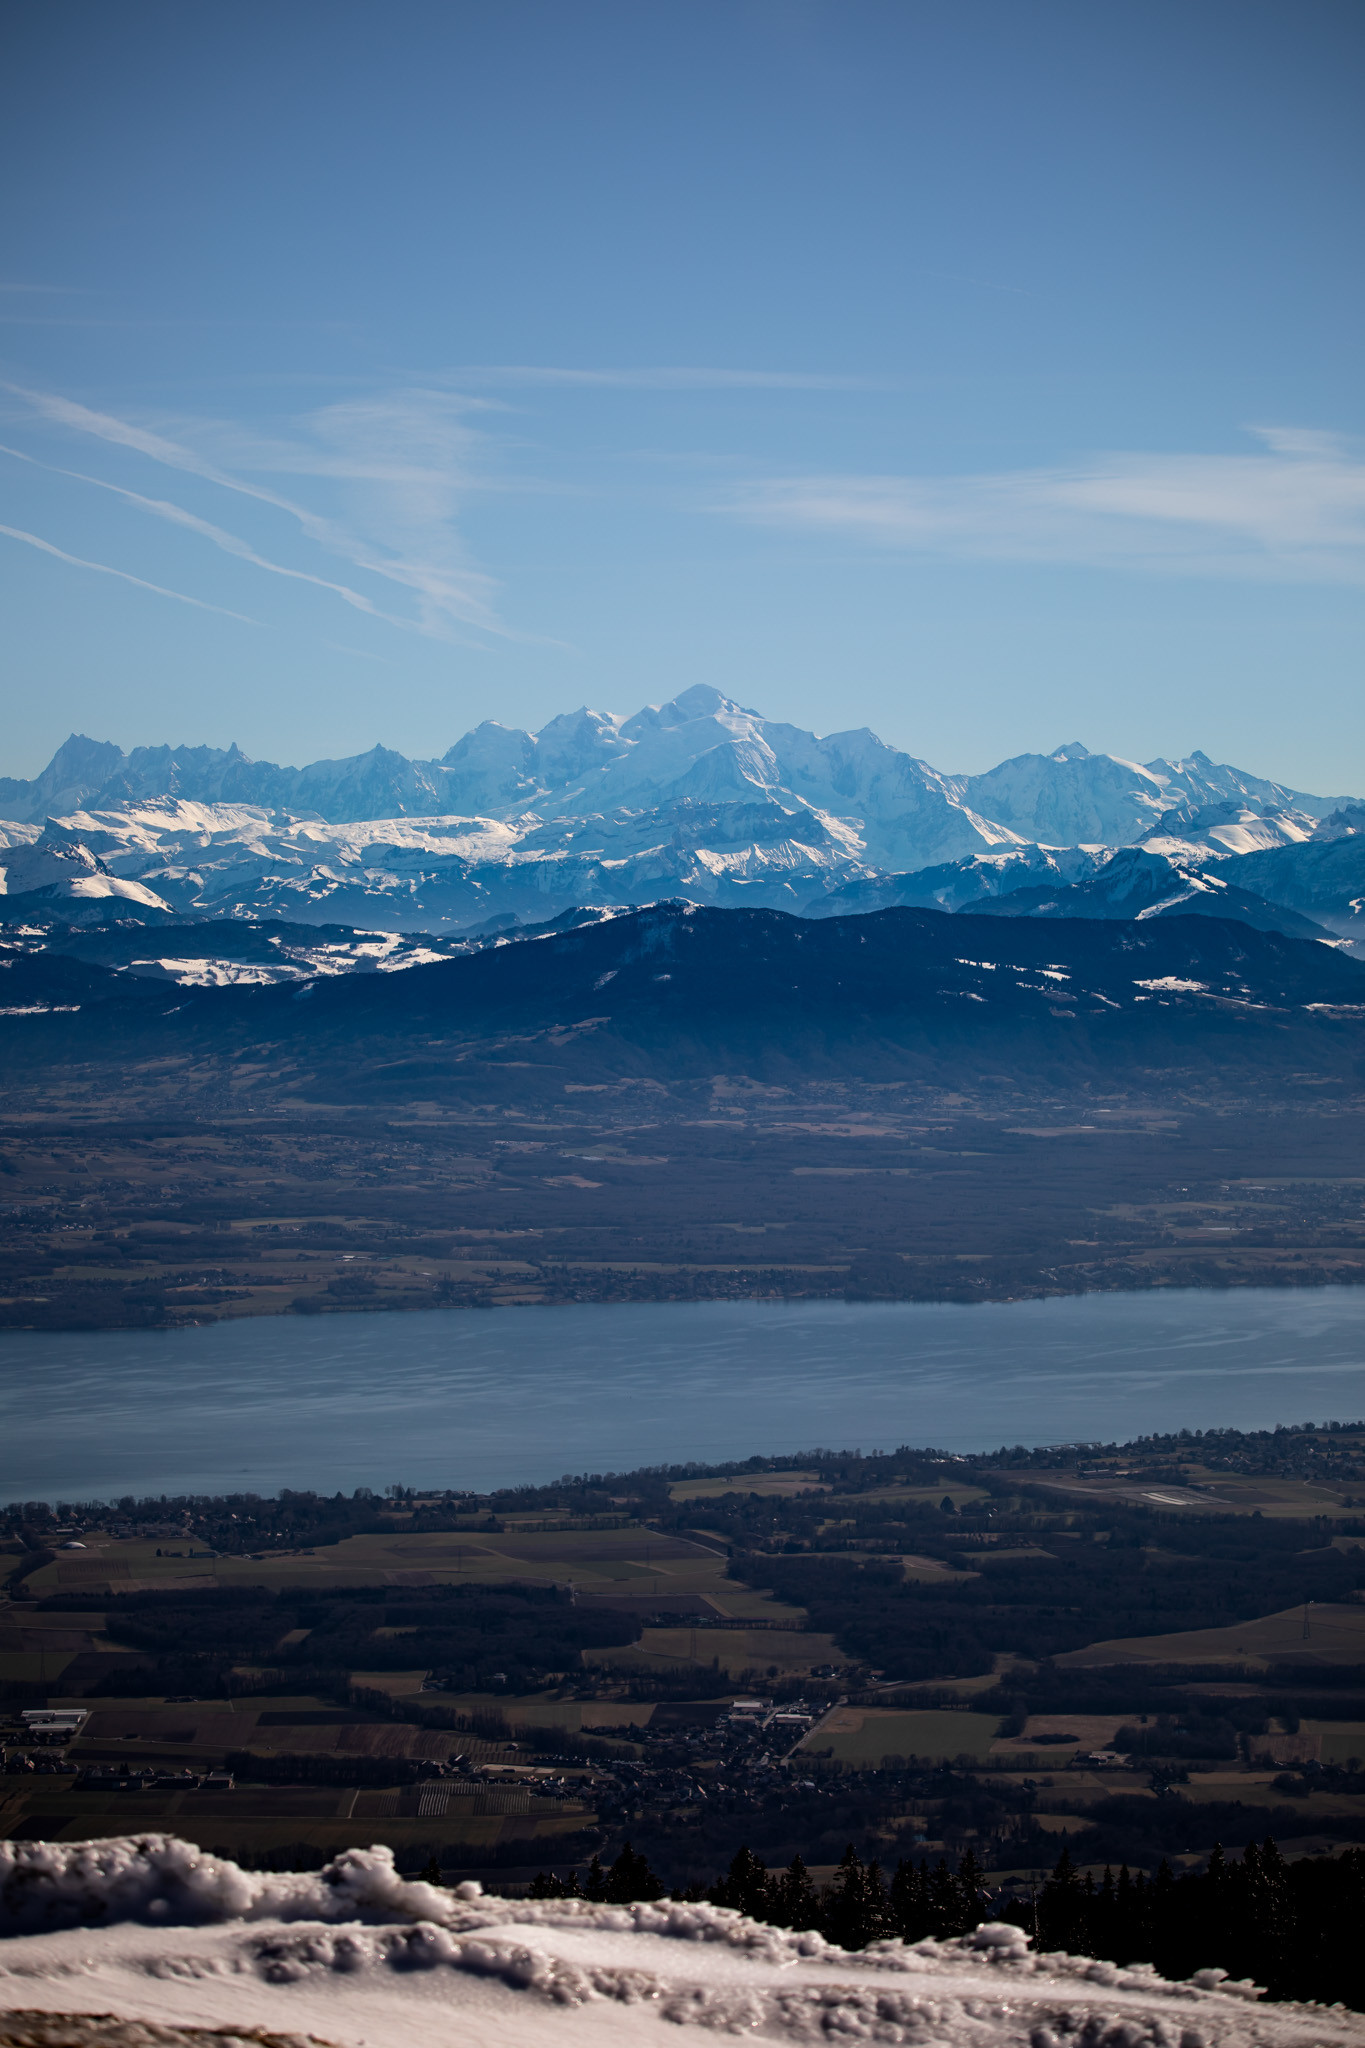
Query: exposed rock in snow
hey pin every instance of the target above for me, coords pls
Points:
(1234, 826)
(1071, 796)
(58, 866)
(151, 1929)
(229, 861)
(1346, 823)
(1200, 780)
(960, 884)
(1140, 884)
(700, 798)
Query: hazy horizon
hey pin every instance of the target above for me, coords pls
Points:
(305, 757)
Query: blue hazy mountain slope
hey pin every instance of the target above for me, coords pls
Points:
(674, 992)
(1306, 891)
(1139, 884)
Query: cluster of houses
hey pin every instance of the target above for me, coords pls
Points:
(120, 1778)
(792, 1720)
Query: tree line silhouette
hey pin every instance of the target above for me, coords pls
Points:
(1292, 1927)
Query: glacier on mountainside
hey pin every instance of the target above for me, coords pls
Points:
(699, 798)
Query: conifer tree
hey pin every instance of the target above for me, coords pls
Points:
(1268, 1913)
(630, 1878)
(746, 1886)
(842, 1901)
(909, 1900)
(1210, 1919)
(1062, 1908)
(880, 1920)
(793, 1901)
(856, 1909)
(1163, 1919)
(972, 1902)
(941, 1895)
(1105, 1920)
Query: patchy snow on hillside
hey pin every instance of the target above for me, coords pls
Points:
(152, 1929)
(700, 798)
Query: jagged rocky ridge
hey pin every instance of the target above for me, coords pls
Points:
(696, 797)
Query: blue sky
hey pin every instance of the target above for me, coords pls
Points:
(984, 372)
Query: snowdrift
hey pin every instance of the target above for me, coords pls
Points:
(149, 1929)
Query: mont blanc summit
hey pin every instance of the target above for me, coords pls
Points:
(700, 798)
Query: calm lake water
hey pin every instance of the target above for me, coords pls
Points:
(487, 1399)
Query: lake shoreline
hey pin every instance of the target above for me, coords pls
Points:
(1276, 1280)
(528, 1394)
(136, 1222)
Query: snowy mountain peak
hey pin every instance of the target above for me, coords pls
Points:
(1345, 823)
(699, 797)
(699, 701)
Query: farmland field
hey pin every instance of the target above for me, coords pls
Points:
(1337, 1636)
(539, 1674)
(224, 1214)
(596, 1561)
(865, 1735)
(774, 1651)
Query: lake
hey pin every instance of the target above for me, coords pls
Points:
(485, 1399)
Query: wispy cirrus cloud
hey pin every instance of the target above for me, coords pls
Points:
(405, 465)
(1292, 511)
(103, 568)
(665, 378)
(401, 467)
(177, 515)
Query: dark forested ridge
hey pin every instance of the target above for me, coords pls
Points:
(687, 1104)
(677, 990)
(1292, 1928)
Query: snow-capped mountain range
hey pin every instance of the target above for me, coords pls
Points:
(698, 798)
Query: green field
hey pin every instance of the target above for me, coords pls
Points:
(865, 1736)
(761, 1483)
(772, 1651)
(1336, 1636)
(149, 1734)
(31, 1665)
(632, 1560)
(544, 1710)
(1338, 1741)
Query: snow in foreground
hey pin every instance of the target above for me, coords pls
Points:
(150, 1928)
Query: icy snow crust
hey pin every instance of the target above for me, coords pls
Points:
(148, 1926)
